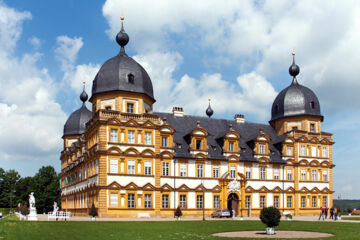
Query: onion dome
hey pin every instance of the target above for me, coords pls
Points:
(122, 73)
(209, 111)
(296, 99)
(75, 124)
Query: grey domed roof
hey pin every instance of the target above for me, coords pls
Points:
(76, 122)
(122, 73)
(295, 99)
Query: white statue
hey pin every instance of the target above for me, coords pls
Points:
(32, 215)
(56, 208)
(31, 200)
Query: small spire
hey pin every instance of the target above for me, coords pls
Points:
(83, 95)
(122, 38)
(198, 123)
(294, 69)
(209, 111)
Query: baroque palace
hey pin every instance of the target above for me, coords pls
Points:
(131, 162)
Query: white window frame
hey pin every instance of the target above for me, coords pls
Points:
(215, 171)
(303, 202)
(232, 171)
(231, 146)
(183, 169)
(200, 170)
(314, 202)
(131, 200)
(262, 172)
(289, 151)
(248, 172)
(303, 174)
(289, 174)
(324, 203)
(325, 175)
(131, 166)
(289, 201)
(163, 141)
(114, 165)
(262, 201)
(148, 201)
(165, 169)
(247, 202)
(216, 201)
(114, 137)
(114, 200)
(261, 148)
(183, 202)
(165, 201)
(302, 150)
(131, 136)
(147, 167)
(276, 173)
(313, 175)
(147, 138)
(324, 152)
(276, 202)
(199, 201)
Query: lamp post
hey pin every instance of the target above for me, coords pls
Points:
(203, 199)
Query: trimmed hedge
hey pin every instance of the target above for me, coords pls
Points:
(270, 216)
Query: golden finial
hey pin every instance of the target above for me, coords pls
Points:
(84, 82)
(293, 52)
(209, 99)
(122, 18)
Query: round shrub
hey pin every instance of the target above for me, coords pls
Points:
(270, 216)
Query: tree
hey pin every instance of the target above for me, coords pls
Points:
(178, 212)
(46, 188)
(270, 216)
(23, 188)
(8, 181)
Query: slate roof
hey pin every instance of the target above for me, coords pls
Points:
(76, 122)
(217, 129)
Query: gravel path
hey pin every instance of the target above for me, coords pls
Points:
(278, 234)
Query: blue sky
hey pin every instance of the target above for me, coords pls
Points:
(236, 53)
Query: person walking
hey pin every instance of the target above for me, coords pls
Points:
(331, 213)
(326, 212)
(321, 214)
(335, 213)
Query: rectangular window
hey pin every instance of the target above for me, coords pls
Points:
(131, 136)
(232, 171)
(289, 174)
(325, 176)
(289, 202)
(165, 201)
(108, 108)
(114, 200)
(276, 201)
(216, 202)
(303, 174)
(231, 146)
(302, 150)
(248, 172)
(131, 200)
(262, 172)
(165, 169)
(314, 175)
(198, 144)
(114, 166)
(199, 201)
(313, 202)
(215, 171)
(131, 166)
(312, 127)
(164, 142)
(247, 201)
(113, 135)
(148, 138)
(276, 173)
(148, 202)
(147, 167)
(324, 152)
(261, 149)
(183, 202)
(200, 170)
(183, 170)
(303, 202)
(288, 151)
(262, 201)
(324, 203)
(130, 107)
(313, 151)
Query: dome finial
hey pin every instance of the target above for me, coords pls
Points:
(209, 111)
(294, 69)
(83, 95)
(122, 38)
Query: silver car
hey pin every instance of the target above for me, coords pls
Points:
(221, 213)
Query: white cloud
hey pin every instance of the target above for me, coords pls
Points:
(36, 42)
(32, 120)
(66, 52)
(252, 93)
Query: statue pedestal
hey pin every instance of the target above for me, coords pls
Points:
(32, 215)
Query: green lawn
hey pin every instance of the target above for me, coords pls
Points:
(5, 211)
(11, 228)
(351, 218)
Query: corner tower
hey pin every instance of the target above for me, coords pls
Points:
(296, 107)
(122, 84)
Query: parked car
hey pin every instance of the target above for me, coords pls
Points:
(221, 213)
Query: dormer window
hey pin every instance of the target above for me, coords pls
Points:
(312, 104)
(131, 78)
(198, 144)
(231, 147)
(261, 148)
(108, 108)
(164, 142)
(130, 107)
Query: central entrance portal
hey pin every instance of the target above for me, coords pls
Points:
(233, 204)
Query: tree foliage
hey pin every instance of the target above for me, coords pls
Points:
(270, 216)
(45, 185)
(93, 211)
(178, 212)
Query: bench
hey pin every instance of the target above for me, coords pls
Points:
(140, 215)
(59, 215)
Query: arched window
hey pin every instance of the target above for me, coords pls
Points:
(131, 78)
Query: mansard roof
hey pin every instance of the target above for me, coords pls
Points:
(217, 129)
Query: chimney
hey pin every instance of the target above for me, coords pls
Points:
(178, 111)
(239, 118)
